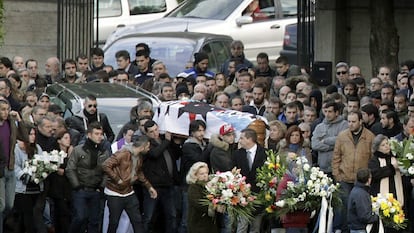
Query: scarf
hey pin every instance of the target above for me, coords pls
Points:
(384, 184)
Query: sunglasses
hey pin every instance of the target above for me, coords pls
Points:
(341, 72)
(92, 105)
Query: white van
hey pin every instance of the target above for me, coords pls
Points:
(119, 13)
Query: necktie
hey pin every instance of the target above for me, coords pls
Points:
(250, 159)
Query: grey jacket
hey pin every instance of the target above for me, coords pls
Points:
(323, 141)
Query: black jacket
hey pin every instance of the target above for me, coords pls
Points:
(240, 161)
(85, 170)
(192, 153)
(379, 173)
(81, 122)
(360, 208)
(155, 166)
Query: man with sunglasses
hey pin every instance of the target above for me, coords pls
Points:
(342, 75)
(88, 115)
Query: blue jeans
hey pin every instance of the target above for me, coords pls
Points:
(166, 199)
(184, 212)
(131, 206)
(7, 192)
(87, 211)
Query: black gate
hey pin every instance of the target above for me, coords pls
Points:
(306, 17)
(75, 28)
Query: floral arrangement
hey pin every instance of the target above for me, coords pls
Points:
(42, 165)
(405, 154)
(268, 177)
(307, 190)
(229, 189)
(389, 210)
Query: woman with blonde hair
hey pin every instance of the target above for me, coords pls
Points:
(277, 131)
(201, 219)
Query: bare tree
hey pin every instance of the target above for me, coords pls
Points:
(384, 40)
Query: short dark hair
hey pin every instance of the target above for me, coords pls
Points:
(263, 56)
(94, 125)
(148, 124)
(250, 133)
(370, 109)
(283, 60)
(81, 56)
(143, 45)
(68, 61)
(363, 175)
(6, 62)
(195, 125)
(140, 53)
(97, 52)
(332, 104)
(123, 53)
(90, 97)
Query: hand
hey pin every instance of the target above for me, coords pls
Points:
(15, 115)
(394, 162)
(220, 208)
(25, 178)
(167, 136)
(61, 171)
(153, 193)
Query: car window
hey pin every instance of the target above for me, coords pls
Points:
(206, 9)
(137, 7)
(217, 54)
(261, 10)
(109, 8)
(174, 52)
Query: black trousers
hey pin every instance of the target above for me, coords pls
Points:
(131, 206)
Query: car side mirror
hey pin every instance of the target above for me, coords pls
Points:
(244, 20)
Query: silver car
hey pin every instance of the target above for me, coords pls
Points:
(175, 49)
(227, 17)
(114, 100)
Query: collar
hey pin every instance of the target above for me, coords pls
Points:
(252, 150)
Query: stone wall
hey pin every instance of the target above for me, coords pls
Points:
(30, 30)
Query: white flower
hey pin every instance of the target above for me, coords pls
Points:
(36, 180)
(313, 176)
(33, 168)
(409, 156)
(34, 162)
(309, 183)
(306, 167)
(44, 174)
(227, 193)
(280, 203)
(290, 184)
(323, 193)
(411, 170)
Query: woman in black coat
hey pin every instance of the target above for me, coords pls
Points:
(201, 219)
(386, 177)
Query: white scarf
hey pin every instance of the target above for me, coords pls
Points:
(384, 185)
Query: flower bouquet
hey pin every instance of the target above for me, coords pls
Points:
(389, 210)
(229, 189)
(405, 154)
(305, 193)
(268, 178)
(43, 165)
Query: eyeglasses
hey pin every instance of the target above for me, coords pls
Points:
(92, 105)
(341, 72)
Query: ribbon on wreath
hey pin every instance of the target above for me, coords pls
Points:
(325, 217)
(380, 227)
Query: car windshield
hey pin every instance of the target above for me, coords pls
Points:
(206, 9)
(174, 52)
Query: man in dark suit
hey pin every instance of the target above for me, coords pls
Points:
(250, 157)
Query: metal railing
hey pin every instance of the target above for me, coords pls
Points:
(75, 28)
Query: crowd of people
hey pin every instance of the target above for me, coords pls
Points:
(153, 180)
